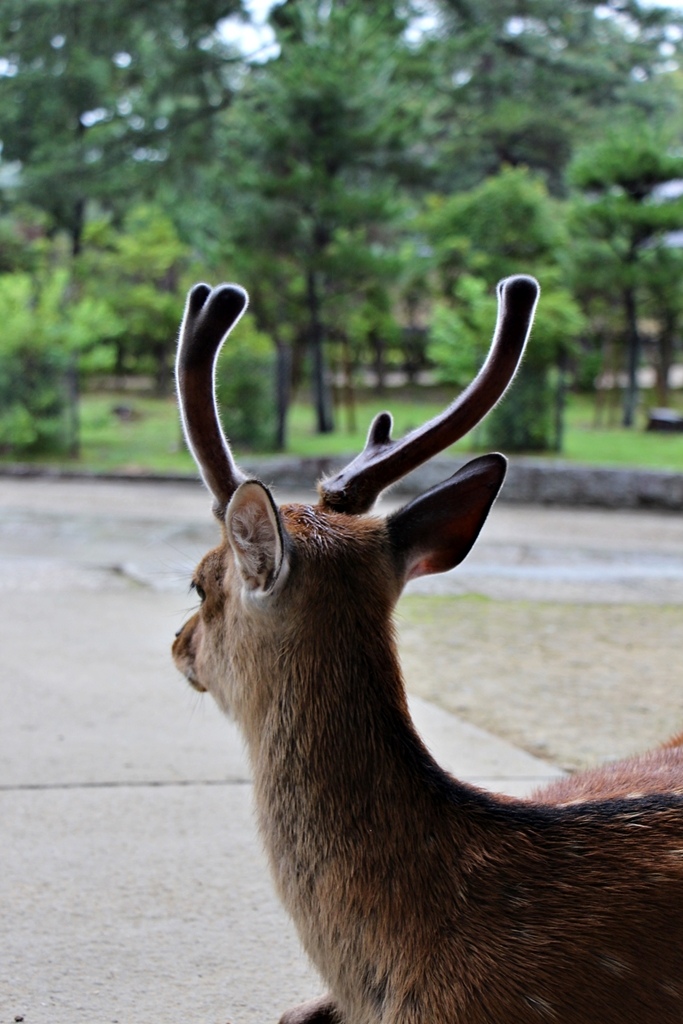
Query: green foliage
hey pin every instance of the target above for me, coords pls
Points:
(629, 162)
(315, 151)
(559, 324)
(42, 312)
(617, 213)
(522, 84)
(245, 387)
(139, 273)
(33, 365)
(98, 97)
(18, 231)
(621, 261)
(148, 143)
(35, 409)
(507, 224)
(525, 420)
(46, 334)
(461, 331)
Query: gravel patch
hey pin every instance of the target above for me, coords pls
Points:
(573, 683)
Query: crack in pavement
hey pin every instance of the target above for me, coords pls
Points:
(27, 787)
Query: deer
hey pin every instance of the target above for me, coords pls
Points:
(419, 899)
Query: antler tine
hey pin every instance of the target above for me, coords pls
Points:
(209, 316)
(383, 461)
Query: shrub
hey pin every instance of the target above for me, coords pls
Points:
(245, 387)
(37, 373)
(37, 414)
(525, 420)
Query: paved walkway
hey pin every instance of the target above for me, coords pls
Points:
(132, 886)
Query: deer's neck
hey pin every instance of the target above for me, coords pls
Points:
(338, 741)
(349, 800)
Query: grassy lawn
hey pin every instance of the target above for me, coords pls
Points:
(612, 445)
(151, 440)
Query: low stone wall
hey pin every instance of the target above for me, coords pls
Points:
(590, 485)
(529, 481)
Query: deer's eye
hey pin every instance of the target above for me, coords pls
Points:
(199, 590)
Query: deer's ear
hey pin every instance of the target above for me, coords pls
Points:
(437, 530)
(257, 536)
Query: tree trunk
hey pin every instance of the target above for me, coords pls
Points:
(321, 387)
(78, 211)
(632, 357)
(163, 376)
(560, 401)
(73, 410)
(348, 390)
(665, 354)
(77, 226)
(378, 347)
(283, 375)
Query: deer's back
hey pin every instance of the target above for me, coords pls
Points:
(571, 915)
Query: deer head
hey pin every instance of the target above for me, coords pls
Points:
(303, 564)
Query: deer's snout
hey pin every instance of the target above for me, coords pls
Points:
(183, 652)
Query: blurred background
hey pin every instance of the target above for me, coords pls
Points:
(368, 171)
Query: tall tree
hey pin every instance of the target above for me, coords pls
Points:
(508, 224)
(95, 98)
(522, 83)
(314, 152)
(140, 271)
(623, 223)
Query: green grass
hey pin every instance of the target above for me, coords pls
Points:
(408, 413)
(614, 446)
(151, 440)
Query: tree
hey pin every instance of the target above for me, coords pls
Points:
(141, 272)
(314, 148)
(46, 335)
(624, 218)
(245, 378)
(96, 98)
(508, 224)
(662, 306)
(522, 84)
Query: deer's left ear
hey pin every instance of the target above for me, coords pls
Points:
(436, 531)
(257, 537)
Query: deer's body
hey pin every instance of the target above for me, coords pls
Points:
(422, 900)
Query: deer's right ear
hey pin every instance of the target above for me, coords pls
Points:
(436, 531)
(257, 537)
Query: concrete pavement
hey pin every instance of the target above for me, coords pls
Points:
(132, 885)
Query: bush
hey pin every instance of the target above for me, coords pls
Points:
(525, 420)
(245, 387)
(37, 413)
(461, 331)
(37, 370)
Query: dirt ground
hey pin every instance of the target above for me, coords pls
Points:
(573, 683)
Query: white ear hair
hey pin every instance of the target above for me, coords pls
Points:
(256, 535)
